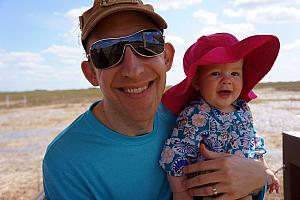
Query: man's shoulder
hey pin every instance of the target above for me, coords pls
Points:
(165, 114)
(70, 134)
(69, 138)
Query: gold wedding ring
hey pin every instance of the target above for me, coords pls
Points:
(213, 187)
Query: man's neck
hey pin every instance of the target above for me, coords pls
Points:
(121, 124)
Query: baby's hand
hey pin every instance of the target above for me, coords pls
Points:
(272, 182)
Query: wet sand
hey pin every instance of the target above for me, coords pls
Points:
(26, 132)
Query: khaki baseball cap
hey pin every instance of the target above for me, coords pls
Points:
(104, 8)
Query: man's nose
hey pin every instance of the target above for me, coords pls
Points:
(131, 65)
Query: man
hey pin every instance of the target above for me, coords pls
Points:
(111, 151)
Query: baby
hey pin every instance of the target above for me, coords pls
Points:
(212, 102)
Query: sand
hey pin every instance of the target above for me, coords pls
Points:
(26, 132)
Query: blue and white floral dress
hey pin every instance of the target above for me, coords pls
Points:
(221, 132)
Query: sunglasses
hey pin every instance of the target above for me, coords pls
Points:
(107, 53)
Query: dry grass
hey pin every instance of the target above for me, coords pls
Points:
(26, 131)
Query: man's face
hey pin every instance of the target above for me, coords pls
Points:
(132, 90)
(220, 84)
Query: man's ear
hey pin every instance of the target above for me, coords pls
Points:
(89, 73)
(169, 55)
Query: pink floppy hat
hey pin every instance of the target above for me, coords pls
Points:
(259, 53)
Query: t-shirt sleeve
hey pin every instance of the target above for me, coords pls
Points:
(59, 182)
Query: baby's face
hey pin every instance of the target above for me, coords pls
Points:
(220, 84)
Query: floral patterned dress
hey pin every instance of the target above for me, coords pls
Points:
(221, 132)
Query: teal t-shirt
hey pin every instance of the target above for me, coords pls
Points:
(90, 161)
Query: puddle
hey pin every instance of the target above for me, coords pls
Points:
(25, 141)
(7, 136)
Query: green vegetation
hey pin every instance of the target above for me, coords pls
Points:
(45, 97)
(291, 86)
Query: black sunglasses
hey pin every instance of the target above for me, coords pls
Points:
(107, 53)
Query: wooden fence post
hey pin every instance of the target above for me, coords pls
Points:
(7, 102)
(25, 101)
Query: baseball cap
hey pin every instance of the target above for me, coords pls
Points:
(103, 8)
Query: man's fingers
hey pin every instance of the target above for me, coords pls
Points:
(210, 154)
(216, 191)
(202, 166)
(207, 190)
(214, 161)
(204, 179)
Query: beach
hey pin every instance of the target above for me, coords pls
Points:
(25, 133)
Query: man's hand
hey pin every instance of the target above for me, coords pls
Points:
(231, 176)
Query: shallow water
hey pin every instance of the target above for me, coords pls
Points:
(32, 140)
(25, 134)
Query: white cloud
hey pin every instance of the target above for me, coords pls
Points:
(29, 70)
(254, 3)
(274, 14)
(72, 15)
(285, 69)
(264, 14)
(259, 3)
(69, 55)
(208, 30)
(176, 74)
(233, 13)
(206, 17)
(292, 46)
(175, 40)
(165, 5)
(242, 29)
(238, 28)
(24, 56)
(20, 60)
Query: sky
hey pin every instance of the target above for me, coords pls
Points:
(40, 40)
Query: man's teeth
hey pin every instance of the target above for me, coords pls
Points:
(135, 90)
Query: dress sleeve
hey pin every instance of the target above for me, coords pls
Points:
(183, 145)
(259, 143)
(260, 148)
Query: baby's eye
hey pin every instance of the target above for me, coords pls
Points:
(215, 74)
(235, 74)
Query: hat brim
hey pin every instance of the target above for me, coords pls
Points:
(259, 53)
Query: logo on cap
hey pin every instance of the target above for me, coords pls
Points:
(113, 2)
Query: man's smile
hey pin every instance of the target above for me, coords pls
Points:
(137, 89)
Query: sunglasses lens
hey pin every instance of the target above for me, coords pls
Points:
(108, 52)
(150, 44)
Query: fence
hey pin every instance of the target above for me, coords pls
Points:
(43, 97)
(8, 102)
